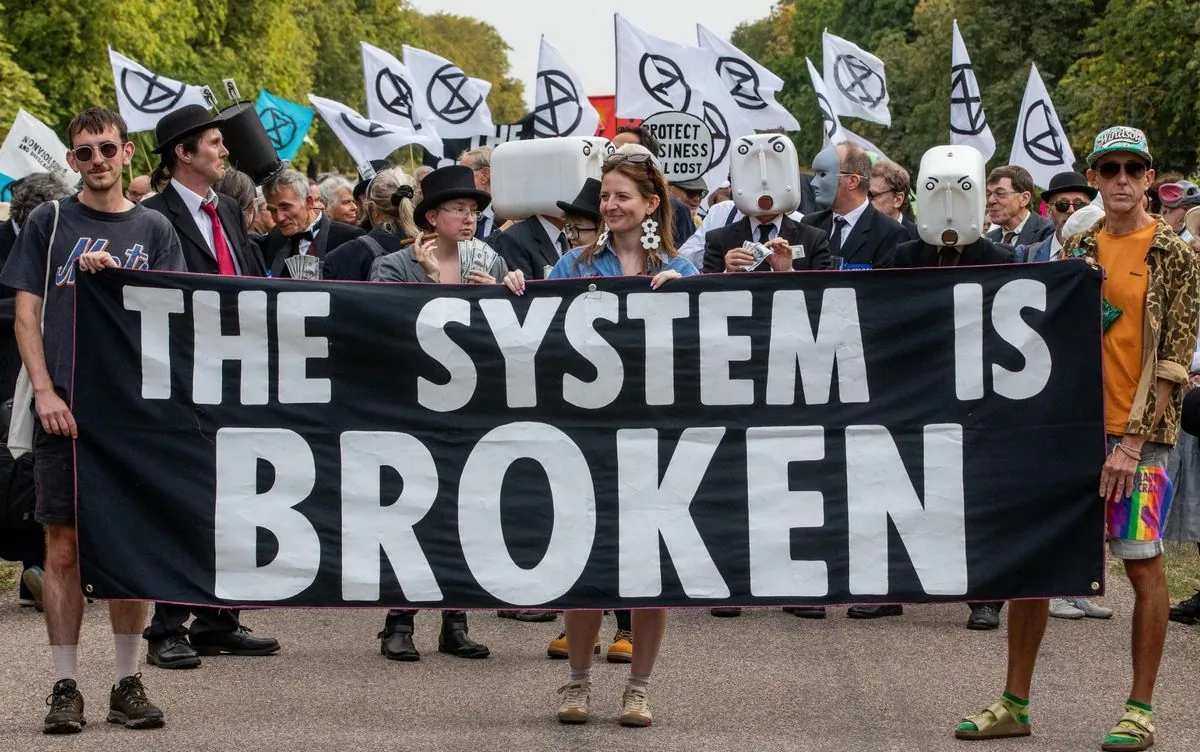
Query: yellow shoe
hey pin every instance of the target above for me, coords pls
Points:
(621, 649)
(575, 701)
(558, 647)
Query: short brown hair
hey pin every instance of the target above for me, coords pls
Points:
(96, 120)
(895, 176)
(857, 162)
(1022, 181)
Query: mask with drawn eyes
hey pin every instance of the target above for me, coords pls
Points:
(765, 175)
(950, 196)
(597, 149)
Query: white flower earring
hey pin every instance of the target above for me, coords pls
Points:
(651, 239)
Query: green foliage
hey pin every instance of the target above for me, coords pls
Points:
(54, 53)
(1104, 62)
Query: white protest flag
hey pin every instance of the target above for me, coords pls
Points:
(854, 81)
(144, 97)
(31, 147)
(561, 108)
(456, 104)
(366, 139)
(656, 75)
(834, 134)
(968, 123)
(390, 96)
(1040, 145)
(751, 86)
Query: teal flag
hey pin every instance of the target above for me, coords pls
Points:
(286, 123)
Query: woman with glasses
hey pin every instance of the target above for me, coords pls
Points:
(636, 241)
(447, 211)
(449, 206)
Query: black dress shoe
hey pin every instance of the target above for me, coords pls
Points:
(984, 616)
(172, 651)
(806, 612)
(396, 644)
(726, 612)
(873, 612)
(237, 642)
(528, 616)
(453, 640)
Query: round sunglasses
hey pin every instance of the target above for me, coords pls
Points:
(87, 152)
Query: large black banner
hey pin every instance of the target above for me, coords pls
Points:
(826, 437)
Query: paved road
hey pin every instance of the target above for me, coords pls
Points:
(766, 681)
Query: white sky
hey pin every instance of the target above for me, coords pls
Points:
(582, 31)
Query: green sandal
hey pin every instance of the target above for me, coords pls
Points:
(1133, 732)
(997, 722)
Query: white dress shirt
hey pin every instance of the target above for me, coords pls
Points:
(775, 225)
(193, 202)
(553, 233)
(303, 245)
(851, 218)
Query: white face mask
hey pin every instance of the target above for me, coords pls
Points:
(950, 196)
(765, 175)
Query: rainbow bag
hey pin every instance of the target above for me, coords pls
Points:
(1141, 515)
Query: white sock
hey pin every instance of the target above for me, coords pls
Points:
(128, 647)
(66, 661)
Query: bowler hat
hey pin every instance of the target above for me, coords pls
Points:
(446, 184)
(178, 125)
(1065, 182)
(587, 203)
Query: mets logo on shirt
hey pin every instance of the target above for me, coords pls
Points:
(135, 258)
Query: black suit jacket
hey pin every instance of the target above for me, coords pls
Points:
(918, 253)
(196, 253)
(1037, 228)
(911, 228)
(278, 248)
(527, 247)
(720, 241)
(872, 240)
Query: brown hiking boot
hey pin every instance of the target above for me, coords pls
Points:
(66, 709)
(127, 704)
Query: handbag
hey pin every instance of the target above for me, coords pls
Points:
(20, 425)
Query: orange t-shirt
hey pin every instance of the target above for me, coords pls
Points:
(1124, 260)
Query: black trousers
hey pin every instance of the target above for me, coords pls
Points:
(405, 615)
(169, 619)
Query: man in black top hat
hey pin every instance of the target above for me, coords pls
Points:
(301, 229)
(1068, 193)
(192, 155)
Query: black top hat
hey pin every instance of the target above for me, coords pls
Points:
(1068, 181)
(446, 184)
(587, 203)
(182, 123)
(250, 148)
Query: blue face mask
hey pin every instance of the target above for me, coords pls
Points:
(826, 176)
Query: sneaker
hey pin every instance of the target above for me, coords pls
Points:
(984, 616)
(1061, 608)
(1187, 612)
(66, 709)
(577, 695)
(127, 704)
(33, 580)
(621, 649)
(635, 707)
(1091, 610)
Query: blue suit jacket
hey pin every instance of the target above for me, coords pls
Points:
(1034, 253)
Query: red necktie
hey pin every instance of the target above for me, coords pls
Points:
(225, 265)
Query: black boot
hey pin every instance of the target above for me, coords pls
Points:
(454, 639)
(396, 639)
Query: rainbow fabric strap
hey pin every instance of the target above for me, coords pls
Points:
(1142, 515)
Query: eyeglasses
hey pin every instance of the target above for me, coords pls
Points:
(462, 212)
(635, 157)
(85, 153)
(999, 195)
(1136, 170)
(872, 195)
(851, 175)
(573, 231)
(1064, 206)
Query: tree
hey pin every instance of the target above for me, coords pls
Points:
(19, 87)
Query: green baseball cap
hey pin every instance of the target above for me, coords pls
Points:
(1120, 138)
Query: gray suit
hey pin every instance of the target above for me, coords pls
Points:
(1037, 228)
